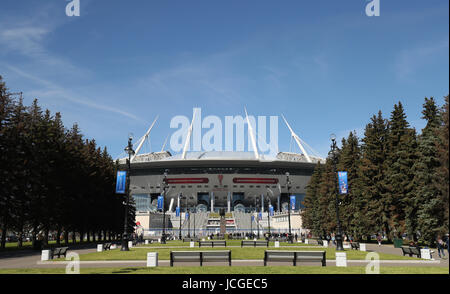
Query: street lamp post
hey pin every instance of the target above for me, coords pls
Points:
(288, 184)
(333, 152)
(179, 201)
(189, 223)
(194, 220)
(163, 237)
(268, 212)
(251, 225)
(257, 217)
(130, 151)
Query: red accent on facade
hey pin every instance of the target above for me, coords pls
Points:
(255, 180)
(187, 181)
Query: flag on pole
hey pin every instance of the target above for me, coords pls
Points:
(160, 202)
(177, 211)
(343, 187)
(292, 202)
(121, 182)
(271, 210)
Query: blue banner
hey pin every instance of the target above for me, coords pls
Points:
(260, 216)
(186, 215)
(160, 203)
(293, 202)
(271, 210)
(343, 186)
(121, 182)
(177, 211)
(253, 218)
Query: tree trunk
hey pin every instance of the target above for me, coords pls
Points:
(88, 237)
(3, 240)
(66, 237)
(58, 238)
(46, 233)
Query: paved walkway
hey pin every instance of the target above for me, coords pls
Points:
(32, 259)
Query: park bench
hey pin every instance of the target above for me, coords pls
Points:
(215, 243)
(200, 256)
(320, 242)
(252, 243)
(107, 246)
(190, 239)
(411, 251)
(58, 251)
(355, 245)
(295, 256)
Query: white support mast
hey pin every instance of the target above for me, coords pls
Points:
(252, 135)
(143, 139)
(188, 138)
(297, 139)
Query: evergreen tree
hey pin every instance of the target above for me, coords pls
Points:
(423, 209)
(349, 161)
(311, 215)
(442, 178)
(371, 174)
(399, 175)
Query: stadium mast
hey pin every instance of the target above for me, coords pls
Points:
(188, 138)
(143, 139)
(297, 139)
(252, 135)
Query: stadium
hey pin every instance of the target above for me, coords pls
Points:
(250, 187)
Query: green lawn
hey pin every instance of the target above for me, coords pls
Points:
(235, 270)
(140, 253)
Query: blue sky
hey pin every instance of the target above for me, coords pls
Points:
(325, 65)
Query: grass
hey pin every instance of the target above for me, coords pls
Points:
(233, 270)
(140, 253)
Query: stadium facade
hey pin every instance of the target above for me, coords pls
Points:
(244, 184)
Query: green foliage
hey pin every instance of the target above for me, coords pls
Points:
(51, 179)
(398, 181)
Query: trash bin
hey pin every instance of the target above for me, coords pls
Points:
(398, 243)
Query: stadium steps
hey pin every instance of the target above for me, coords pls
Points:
(156, 221)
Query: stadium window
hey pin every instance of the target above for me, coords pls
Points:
(183, 187)
(189, 186)
(258, 186)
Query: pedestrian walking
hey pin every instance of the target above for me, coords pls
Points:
(446, 242)
(379, 240)
(440, 246)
